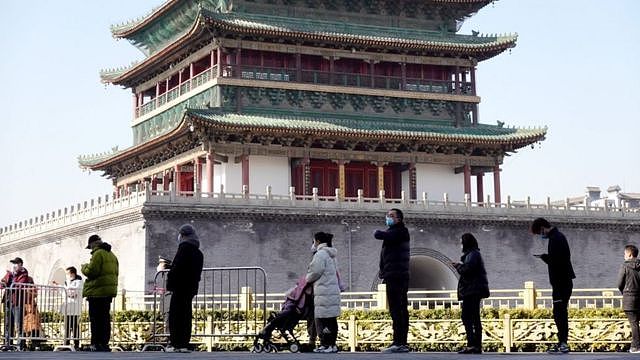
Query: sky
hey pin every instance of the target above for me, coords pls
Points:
(575, 69)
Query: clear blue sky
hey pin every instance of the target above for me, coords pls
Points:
(576, 69)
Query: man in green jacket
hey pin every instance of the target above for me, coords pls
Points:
(100, 287)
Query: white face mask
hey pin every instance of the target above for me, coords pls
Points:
(313, 247)
(15, 268)
(179, 238)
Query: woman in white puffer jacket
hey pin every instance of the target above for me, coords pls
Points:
(323, 274)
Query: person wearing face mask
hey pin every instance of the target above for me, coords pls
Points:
(473, 286)
(394, 271)
(73, 306)
(561, 275)
(14, 306)
(183, 281)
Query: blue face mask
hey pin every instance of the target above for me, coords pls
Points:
(389, 221)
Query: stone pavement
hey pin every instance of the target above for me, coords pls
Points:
(309, 356)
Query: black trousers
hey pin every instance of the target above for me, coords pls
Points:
(72, 331)
(327, 329)
(180, 315)
(397, 288)
(471, 320)
(100, 319)
(634, 317)
(561, 295)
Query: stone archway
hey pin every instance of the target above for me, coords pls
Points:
(57, 273)
(429, 270)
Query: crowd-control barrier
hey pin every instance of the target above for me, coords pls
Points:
(231, 302)
(33, 314)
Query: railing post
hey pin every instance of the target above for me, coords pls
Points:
(360, 196)
(245, 191)
(403, 197)
(508, 201)
(446, 199)
(121, 301)
(508, 331)
(381, 196)
(567, 203)
(172, 192)
(467, 200)
(353, 333)
(529, 295)
(221, 191)
(425, 199)
(381, 297)
(338, 195)
(292, 193)
(489, 202)
(246, 298)
(269, 194)
(548, 203)
(147, 191)
(528, 202)
(314, 195)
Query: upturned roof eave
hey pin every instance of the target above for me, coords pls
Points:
(130, 28)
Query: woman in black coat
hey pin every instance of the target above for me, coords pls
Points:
(473, 286)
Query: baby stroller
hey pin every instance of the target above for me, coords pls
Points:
(295, 307)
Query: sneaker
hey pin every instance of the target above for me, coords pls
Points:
(183, 350)
(634, 350)
(393, 349)
(561, 348)
(334, 349)
(469, 350)
(170, 349)
(320, 349)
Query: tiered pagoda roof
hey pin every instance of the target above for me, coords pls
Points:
(165, 23)
(297, 30)
(356, 129)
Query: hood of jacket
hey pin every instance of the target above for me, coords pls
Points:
(633, 264)
(191, 239)
(329, 250)
(103, 246)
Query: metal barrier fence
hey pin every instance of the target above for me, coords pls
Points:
(224, 306)
(34, 313)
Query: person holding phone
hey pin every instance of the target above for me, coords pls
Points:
(561, 275)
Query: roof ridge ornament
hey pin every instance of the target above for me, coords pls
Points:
(223, 6)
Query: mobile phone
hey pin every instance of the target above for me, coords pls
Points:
(537, 255)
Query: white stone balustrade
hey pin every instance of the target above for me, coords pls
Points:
(107, 205)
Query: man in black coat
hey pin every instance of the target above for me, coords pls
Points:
(394, 270)
(561, 275)
(629, 285)
(183, 280)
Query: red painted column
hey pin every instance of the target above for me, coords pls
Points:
(210, 161)
(467, 179)
(496, 184)
(197, 176)
(166, 179)
(154, 183)
(135, 105)
(245, 171)
(176, 178)
(480, 187)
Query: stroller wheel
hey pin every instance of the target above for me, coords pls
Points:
(257, 347)
(270, 348)
(294, 348)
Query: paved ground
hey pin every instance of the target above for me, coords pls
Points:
(309, 356)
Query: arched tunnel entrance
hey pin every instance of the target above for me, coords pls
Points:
(430, 273)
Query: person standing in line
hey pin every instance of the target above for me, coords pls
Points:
(473, 286)
(183, 281)
(561, 275)
(99, 289)
(394, 271)
(73, 306)
(323, 274)
(629, 285)
(14, 305)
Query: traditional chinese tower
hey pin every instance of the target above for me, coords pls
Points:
(327, 94)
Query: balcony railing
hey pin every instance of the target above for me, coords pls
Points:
(315, 77)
